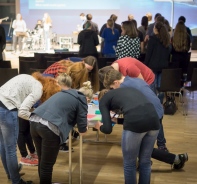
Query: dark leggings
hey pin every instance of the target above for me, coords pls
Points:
(163, 156)
(47, 146)
(24, 138)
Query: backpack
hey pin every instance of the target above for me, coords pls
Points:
(170, 105)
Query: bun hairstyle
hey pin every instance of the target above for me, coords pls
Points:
(87, 90)
(64, 80)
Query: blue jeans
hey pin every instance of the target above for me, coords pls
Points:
(110, 55)
(161, 141)
(158, 84)
(8, 140)
(137, 145)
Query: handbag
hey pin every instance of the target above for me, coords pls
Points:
(170, 105)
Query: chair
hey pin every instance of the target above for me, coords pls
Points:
(24, 66)
(22, 58)
(5, 64)
(193, 86)
(32, 70)
(190, 68)
(6, 74)
(54, 58)
(171, 82)
(102, 62)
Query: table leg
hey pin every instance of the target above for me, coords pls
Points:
(81, 159)
(70, 157)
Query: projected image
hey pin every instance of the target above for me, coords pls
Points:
(65, 14)
(66, 4)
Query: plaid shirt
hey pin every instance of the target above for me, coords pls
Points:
(55, 69)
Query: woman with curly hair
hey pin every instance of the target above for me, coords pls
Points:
(158, 51)
(129, 43)
(17, 96)
(180, 47)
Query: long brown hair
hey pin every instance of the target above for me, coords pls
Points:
(50, 86)
(110, 23)
(93, 74)
(162, 34)
(130, 29)
(79, 74)
(180, 38)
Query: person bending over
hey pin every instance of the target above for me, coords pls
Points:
(51, 123)
(140, 129)
(114, 79)
(133, 68)
(17, 96)
(80, 71)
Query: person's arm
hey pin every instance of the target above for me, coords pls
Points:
(79, 39)
(3, 38)
(30, 100)
(96, 40)
(82, 117)
(101, 31)
(24, 26)
(141, 41)
(142, 47)
(149, 51)
(14, 24)
(103, 34)
(106, 127)
(119, 46)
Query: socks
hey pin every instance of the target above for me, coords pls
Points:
(177, 160)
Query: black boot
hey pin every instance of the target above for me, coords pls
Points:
(25, 182)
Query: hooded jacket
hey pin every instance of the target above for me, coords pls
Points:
(68, 107)
(88, 40)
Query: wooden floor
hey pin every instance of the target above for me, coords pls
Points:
(102, 162)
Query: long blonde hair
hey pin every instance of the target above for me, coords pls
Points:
(93, 74)
(110, 23)
(48, 19)
(180, 38)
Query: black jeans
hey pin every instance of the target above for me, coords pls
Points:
(24, 138)
(47, 146)
(163, 156)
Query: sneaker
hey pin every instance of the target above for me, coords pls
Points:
(65, 148)
(20, 166)
(25, 182)
(183, 158)
(163, 148)
(28, 160)
(75, 134)
(34, 155)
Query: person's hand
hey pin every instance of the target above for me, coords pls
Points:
(146, 38)
(97, 125)
(81, 134)
(114, 120)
